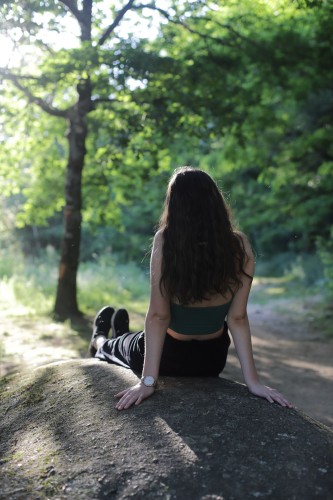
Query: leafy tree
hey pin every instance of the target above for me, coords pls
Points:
(86, 83)
(263, 77)
(242, 89)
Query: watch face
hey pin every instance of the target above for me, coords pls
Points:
(149, 381)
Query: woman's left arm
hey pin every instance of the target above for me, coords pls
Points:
(240, 330)
(241, 334)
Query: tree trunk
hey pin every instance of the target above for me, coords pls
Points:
(66, 305)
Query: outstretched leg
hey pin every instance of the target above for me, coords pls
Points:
(102, 326)
(120, 323)
(123, 348)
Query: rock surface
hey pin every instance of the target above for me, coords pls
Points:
(207, 439)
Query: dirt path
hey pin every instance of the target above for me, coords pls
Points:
(293, 359)
(289, 355)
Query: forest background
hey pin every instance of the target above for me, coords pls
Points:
(101, 100)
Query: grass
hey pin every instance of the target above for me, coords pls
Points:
(265, 289)
(27, 293)
(28, 285)
(107, 282)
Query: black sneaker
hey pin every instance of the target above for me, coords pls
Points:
(120, 323)
(102, 325)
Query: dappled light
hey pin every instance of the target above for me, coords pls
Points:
(54, 439)
(63, 436)
(29, 340)
(275, 291)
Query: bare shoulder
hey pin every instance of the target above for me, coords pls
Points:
(159, 236)
(158, 240)
(245, 242)
(158, 244)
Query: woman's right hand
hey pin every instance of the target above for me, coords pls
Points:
(133, 396)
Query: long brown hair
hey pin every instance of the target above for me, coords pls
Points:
(202, 253)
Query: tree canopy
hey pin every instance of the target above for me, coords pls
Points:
(241, 89)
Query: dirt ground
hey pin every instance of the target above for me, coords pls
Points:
(290, 353)
(292, 356)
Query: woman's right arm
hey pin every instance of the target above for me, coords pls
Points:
(156, 324)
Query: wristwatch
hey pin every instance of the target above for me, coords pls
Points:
(148, 381)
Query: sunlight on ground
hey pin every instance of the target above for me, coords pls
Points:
(276, 291)
(30, 340)
(41, 457)
(263, 280)
(181, 448)
(59, 427)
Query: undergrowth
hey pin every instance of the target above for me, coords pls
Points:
(30, 283)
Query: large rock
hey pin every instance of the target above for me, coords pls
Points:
(61, 437)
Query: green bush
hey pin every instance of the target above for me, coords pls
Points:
(11, 262)
(306, 269)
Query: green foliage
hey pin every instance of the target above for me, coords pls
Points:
(106, 281)
(31, 281)
(268, 116)
(33, 160)
(240, 89)
(305, 270)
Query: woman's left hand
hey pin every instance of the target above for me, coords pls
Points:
(133, 396)
(272, 395)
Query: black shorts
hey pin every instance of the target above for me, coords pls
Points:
(180, 358)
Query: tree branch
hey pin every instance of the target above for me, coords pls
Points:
(32, 98)
(116, 22)
(167, 16)
(6, 75)
(104, 99)
(236, 33)
(83, 16)
(71, 5)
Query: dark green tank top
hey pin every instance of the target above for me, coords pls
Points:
(189, 320)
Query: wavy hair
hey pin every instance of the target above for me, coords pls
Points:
(202, 253)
